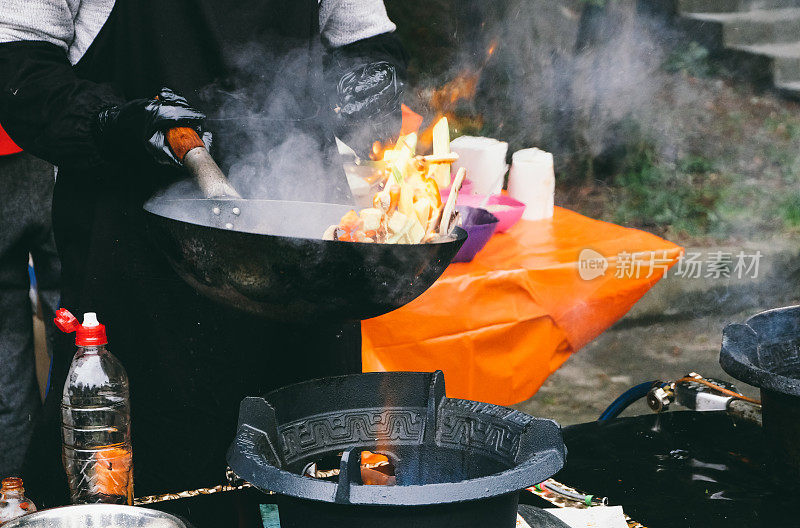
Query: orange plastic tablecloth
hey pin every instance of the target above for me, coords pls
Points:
(501, 324)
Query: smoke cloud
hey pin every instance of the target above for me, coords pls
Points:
(562, 76)
(272, 126)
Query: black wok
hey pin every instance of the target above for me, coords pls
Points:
(267, 257)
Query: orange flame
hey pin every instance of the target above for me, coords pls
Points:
(492, 48)
(463, 87)
(426, 136)
(378, 150)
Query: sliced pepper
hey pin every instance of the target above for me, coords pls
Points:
(432, 189)
(394, 194)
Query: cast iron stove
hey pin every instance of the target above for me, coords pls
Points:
(457, 463)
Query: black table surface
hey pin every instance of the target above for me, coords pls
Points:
(682, 469)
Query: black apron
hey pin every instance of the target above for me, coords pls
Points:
(189, 360)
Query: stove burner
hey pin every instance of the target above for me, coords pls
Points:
(456, 462)
(376, 469)
(765, 352)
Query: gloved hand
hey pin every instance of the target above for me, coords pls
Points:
(369, 99)
(138, 127)
(370, 83)
(369, 91)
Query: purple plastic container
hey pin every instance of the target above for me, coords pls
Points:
(507, 210)
(480, 225)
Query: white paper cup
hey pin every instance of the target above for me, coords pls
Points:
(485, 161)
(532, 181)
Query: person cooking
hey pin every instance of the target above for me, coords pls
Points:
(78, 87)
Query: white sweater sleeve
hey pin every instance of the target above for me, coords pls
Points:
(69, 24)
(343, 22)
(43, 20)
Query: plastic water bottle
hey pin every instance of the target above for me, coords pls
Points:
(95, 417)
(13, 503)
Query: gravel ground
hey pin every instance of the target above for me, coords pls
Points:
(627, 355)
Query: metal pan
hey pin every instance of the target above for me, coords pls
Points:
(267, 257)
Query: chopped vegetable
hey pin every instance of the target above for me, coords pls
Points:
(408, 209)
(351, 219)
(441, 145)
(371, 219)
(397, 222)
(394, 197)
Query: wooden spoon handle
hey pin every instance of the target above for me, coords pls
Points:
(450, 207)
(183, 139)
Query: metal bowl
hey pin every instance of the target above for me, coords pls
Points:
(97, 516)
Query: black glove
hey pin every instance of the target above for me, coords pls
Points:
(369, 91)
(370, 82)
(138, 127)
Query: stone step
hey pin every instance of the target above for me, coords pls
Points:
(729, 6)
(750, 27)
(790, 89)
(784, 58)
(760, 39)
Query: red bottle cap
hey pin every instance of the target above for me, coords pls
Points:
(90, 333)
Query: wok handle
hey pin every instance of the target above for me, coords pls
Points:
(183, 139)
(190, 150)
